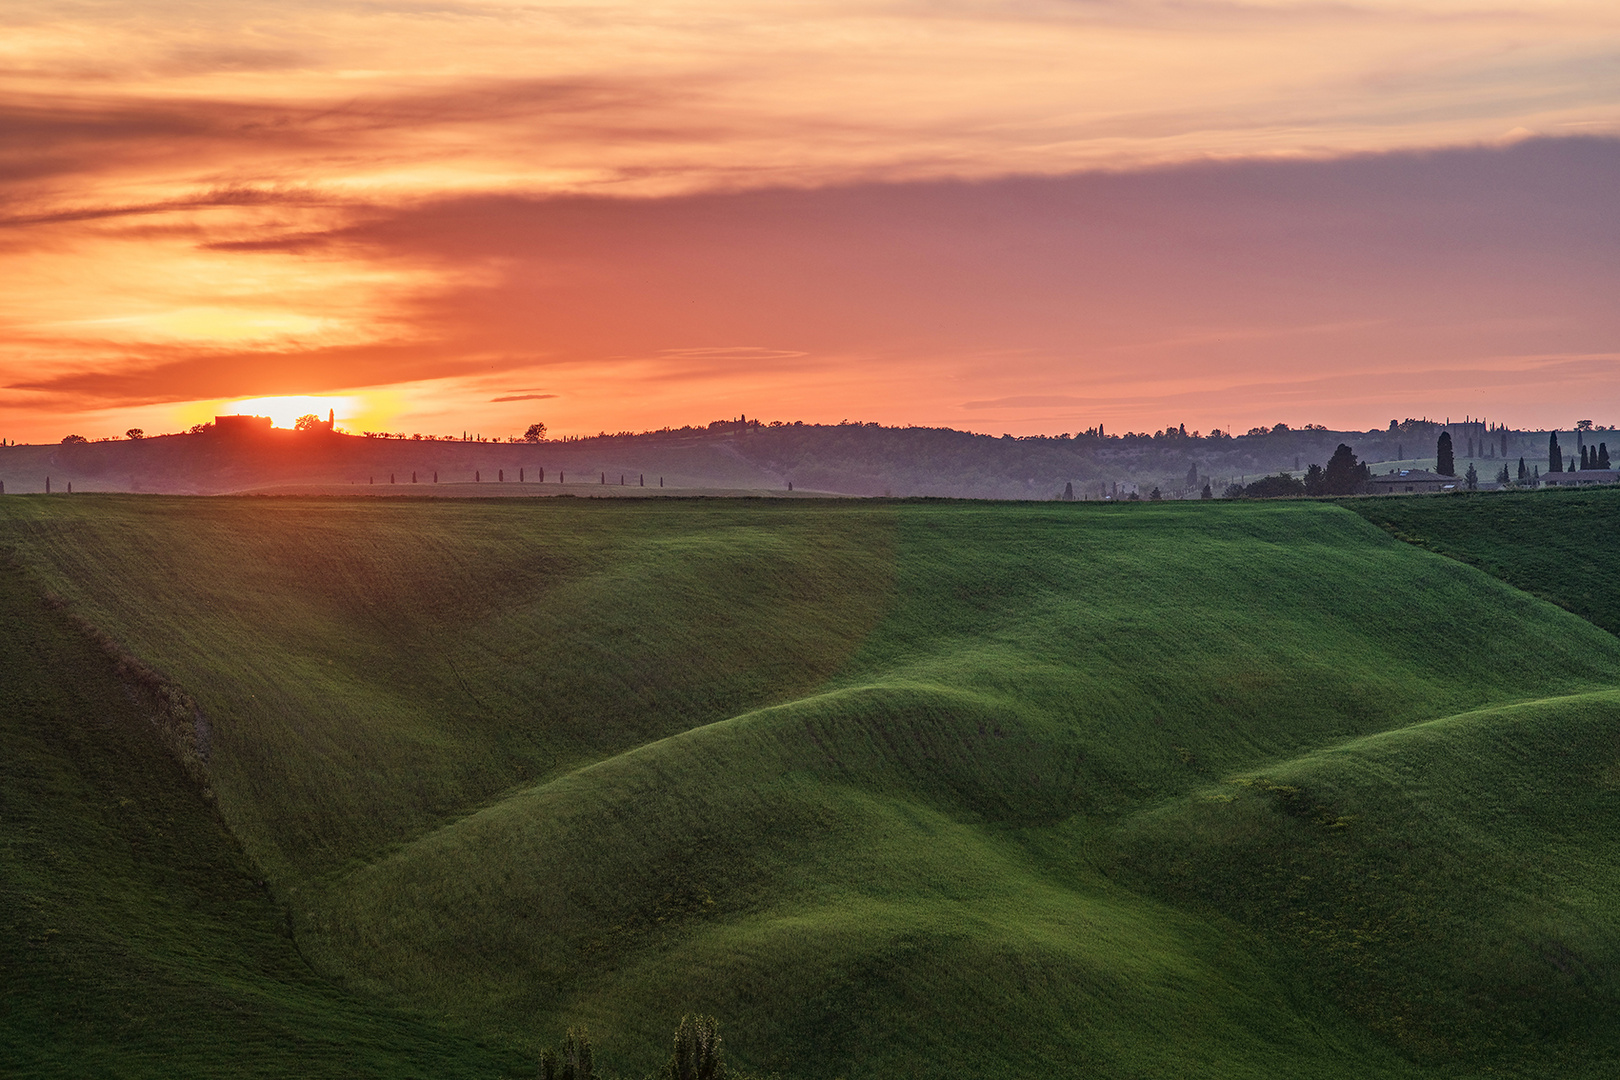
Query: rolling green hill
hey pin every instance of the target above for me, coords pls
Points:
(1553, 543)
(894, 789)
(138, 940)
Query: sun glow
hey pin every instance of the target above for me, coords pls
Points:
(285, 411)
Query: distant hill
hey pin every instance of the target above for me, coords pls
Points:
(849, 459)
(919, 789)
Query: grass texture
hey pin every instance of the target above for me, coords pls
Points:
(138, 939)
(1553, 543)
(903, 789)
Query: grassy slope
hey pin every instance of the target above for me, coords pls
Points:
(377, 667)
(1555, 544)
(1455, 884)
(137, 941)
(874, 783)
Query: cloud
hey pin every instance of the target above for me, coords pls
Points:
(1205, 290)
(523, 397)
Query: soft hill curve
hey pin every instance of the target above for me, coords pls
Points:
(892, 788)
(1455, 885)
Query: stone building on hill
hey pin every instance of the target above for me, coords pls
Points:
(1401, 481)
(1580, 478)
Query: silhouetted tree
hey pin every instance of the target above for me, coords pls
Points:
(1068, 491)
(1273, 487)
(308, 422)
(1207, 493)
(1585, 460)
(1344, 474)
(535, 433)
(1555, 454)
(1444, 462)
(134, 433)
(1313, 480)
(1603, 457)
(1471, 477)
(1154, 496)
(1523, 473)
(74, 439)
(1192, 476)
(1502, 476)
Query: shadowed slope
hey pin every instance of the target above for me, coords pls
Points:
(138, 941)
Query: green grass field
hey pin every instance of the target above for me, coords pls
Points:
(1553, 543)
(894, 789)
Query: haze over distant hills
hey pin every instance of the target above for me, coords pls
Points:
(746, 456)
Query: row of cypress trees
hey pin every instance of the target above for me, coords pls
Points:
(1596, 457)
(1590, 458)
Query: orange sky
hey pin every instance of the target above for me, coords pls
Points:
(1019, 216)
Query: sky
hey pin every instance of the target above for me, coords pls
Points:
(1029, 216)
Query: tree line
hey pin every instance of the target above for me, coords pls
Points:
(1343, 475)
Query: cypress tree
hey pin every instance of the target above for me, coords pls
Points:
(578, 1063)
(697, 1051)
(1522, 471)
(1555, 454)
(1585, 462)
(1445, 463)
(1603, 456)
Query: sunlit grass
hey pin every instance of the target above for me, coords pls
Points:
(893, 789)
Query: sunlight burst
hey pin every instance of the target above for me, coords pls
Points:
(285, 411)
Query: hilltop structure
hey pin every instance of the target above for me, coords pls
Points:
(241, 425)
(1579, 477)
(1400, 481)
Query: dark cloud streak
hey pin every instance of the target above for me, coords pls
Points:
(1040, 291)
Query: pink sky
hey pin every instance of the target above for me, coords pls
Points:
(1024, 217)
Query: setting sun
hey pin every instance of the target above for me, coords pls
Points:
(285, 411)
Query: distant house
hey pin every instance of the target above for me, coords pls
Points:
(1400, 481)
(241, 425)
(1580, 478)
